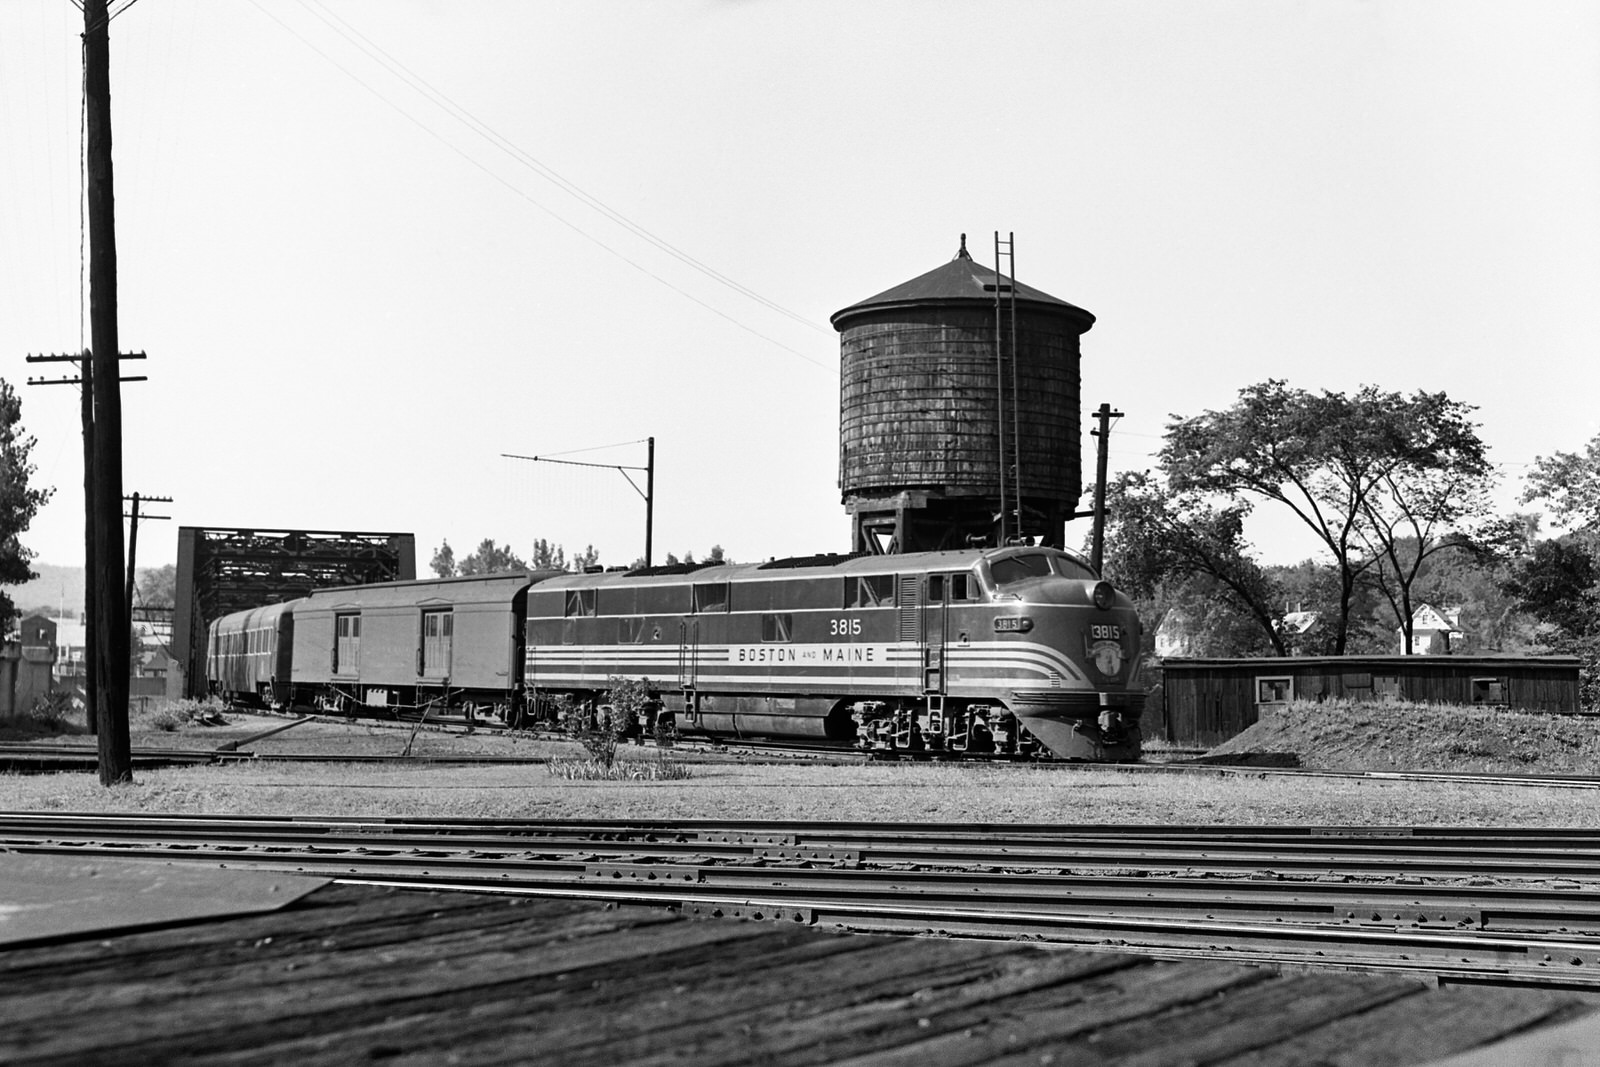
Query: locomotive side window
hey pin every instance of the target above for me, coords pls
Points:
(630, 631)
(347, 644)
(580, 601)
(437, 630)
(777, 627)
(711, 596)
(869, 591)
(961, 587)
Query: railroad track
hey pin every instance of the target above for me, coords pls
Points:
(1458, 905)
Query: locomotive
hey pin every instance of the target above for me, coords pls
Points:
(1014, 651)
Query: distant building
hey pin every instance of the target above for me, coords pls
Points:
(1296, 627)
(1433, 632)
(1177, 634)
(26, 660)
(72, 639)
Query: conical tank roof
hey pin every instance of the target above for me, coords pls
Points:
(960, 283)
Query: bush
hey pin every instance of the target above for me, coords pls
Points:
(600, 727)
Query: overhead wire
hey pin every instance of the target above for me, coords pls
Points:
(529, 198)
(515, 151)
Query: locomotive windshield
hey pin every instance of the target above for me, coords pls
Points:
(1019, 568)
(1015, 569)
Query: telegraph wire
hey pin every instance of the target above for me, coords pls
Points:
(574, 227)
(488, 133)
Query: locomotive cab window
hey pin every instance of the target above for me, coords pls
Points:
(1279, 690)
(777, 627)
(952, 588)
(869, 591)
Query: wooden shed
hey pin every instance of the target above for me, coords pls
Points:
(1206, 701)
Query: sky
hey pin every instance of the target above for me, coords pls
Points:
(370, 248)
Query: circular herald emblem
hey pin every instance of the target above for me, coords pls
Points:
(1107, 657)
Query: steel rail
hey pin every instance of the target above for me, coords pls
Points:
(1004, 850)
(1474, 933)
(775, 830)
(914, 895)
(1340, 903)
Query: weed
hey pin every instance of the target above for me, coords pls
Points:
(173, 715)
(51, 710)
(590, 770)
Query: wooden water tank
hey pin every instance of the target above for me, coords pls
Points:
(920, 457)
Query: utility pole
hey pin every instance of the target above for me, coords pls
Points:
(133, 537)
(648, 492)
(91, 627)
(111, 651)
(1103, 416)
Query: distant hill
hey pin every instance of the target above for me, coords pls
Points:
(56, 586)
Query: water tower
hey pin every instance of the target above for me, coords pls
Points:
(958, 410)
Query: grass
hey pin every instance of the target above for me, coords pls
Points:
(648, 785)
(1346, 735)
(901, 792)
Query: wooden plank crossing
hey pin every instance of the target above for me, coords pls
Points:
(355, 974)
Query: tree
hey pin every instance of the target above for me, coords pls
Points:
(1154, 536)
(158, 587)
(1359, 472)
(589, 557)
(1569, 484)
(1556, 585)
(444, 561)
(19, 502)
(547, 556)
(490, 558)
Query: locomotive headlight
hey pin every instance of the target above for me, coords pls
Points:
(1012, 624)
(1104, 595)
